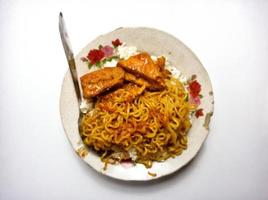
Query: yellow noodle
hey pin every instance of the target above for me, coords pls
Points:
(154, 125)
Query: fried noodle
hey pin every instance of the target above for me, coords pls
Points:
(154, 125)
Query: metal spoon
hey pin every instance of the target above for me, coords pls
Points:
(71, 62)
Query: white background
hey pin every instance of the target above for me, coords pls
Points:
(229, 37)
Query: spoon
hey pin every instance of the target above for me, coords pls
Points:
(71, 62)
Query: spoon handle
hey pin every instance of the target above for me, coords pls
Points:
(70, 56)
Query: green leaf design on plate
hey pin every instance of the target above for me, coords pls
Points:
(89, 65)
(99, 64)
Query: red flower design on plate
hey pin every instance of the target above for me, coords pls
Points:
(95, 55)
(107, 50)
(116, 42)
(199, 113)
(194, 88)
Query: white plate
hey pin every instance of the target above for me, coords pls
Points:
(157, 43)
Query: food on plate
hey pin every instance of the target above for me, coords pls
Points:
(160, 62)
(125, 94)
(142, 65)
(142, 112)
(99, 81)
(141, 82)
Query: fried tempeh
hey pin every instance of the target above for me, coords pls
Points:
(141, 65)
(141, 82)
(96, 82)
(126, 94)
